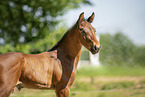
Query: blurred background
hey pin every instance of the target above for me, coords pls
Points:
(34, 26)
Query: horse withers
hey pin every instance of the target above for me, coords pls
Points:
(54, 69)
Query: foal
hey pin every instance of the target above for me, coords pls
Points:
(54, 69)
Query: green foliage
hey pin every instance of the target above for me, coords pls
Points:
(46, 43)
(35, 47)
(140, 56)
(6, 48)
(119, 50)
(22, 21)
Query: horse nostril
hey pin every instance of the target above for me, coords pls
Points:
(95, 47)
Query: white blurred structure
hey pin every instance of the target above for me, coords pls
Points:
(94, 59)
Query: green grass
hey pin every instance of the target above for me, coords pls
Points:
(117, 85)
(142, 82)
(111, 71)
(112, 93)
(140, 92)
(33, 93)
(88, 86)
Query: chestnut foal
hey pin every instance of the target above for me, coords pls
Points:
(55, 69)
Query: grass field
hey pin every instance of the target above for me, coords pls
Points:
(111, 71)
(140, 92)
(100, 82)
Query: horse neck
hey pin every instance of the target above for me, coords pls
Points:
(69, 45)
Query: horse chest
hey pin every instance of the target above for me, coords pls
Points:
(68, 74)
(72, 78)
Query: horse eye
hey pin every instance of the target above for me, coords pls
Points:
(81, 29)
(83, 32)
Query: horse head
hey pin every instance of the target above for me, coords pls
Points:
(86, 33)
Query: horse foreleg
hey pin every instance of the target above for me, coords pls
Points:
(63, 92)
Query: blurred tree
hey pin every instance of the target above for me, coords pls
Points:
(38, 46)
(140, 56)
(22, 21)
(117, 49)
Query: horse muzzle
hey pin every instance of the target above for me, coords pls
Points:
(95, 49)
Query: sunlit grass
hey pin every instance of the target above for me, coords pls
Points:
(111, 71)
(112, 93)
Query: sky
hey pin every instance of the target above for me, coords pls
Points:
(111, 16)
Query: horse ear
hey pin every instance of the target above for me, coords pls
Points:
(91, 18)
(81, 18)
